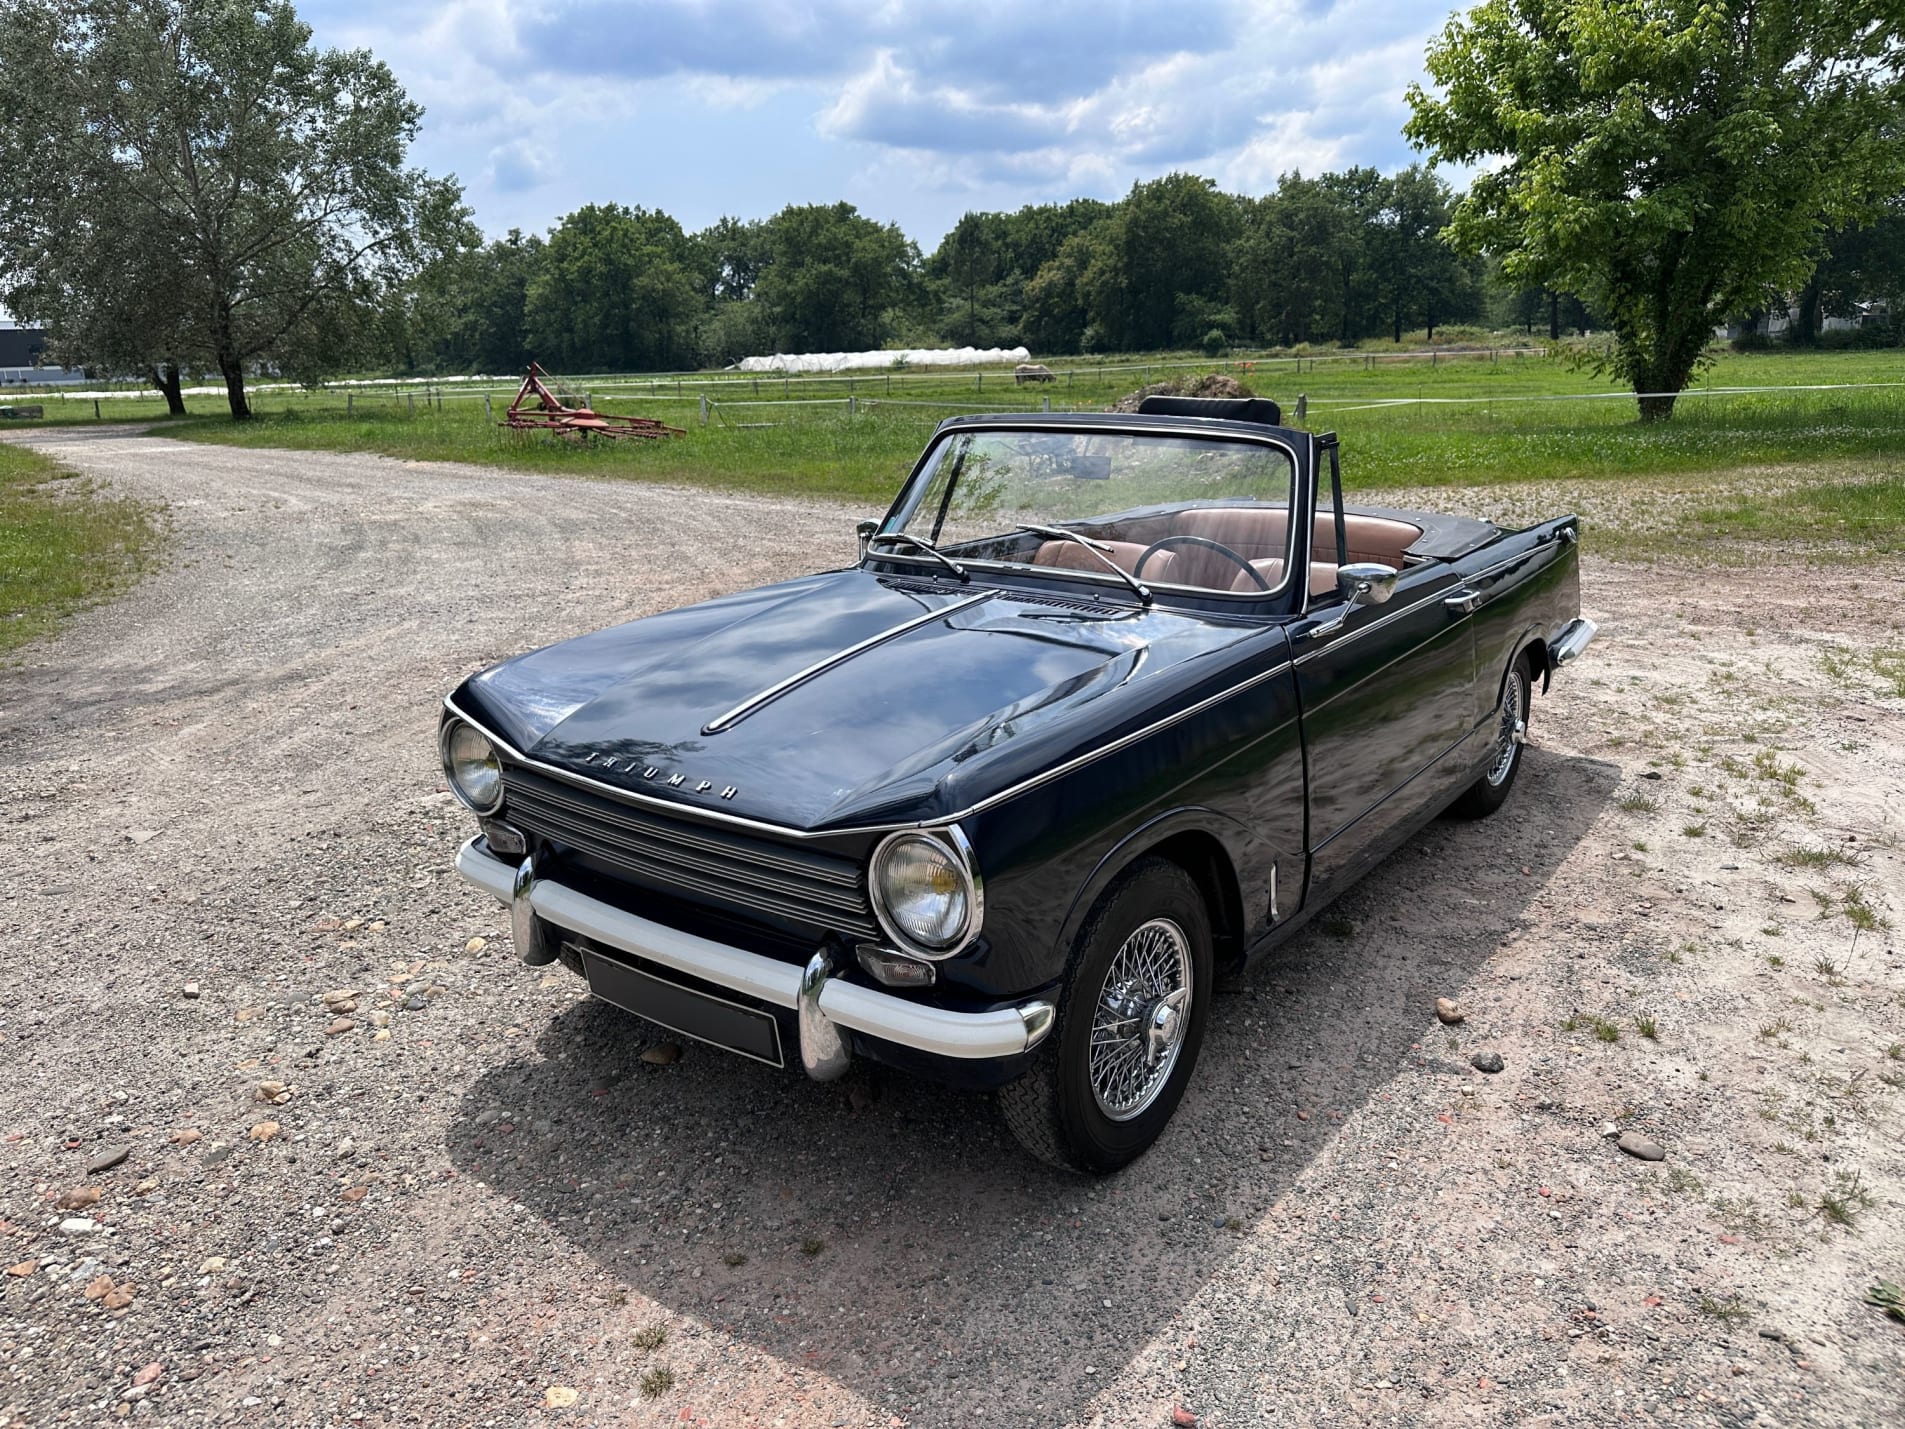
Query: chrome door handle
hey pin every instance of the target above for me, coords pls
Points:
(1462, 602)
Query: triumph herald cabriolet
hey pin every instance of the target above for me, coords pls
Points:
(1107, 708)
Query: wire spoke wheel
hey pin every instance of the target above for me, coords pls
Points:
(1139, 1020)
(1512, 731)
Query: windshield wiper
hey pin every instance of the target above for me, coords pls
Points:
(1098, 549)
(924, 546)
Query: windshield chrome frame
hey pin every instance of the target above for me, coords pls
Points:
(913, 489)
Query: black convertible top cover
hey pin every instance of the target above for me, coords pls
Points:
(1260, 410)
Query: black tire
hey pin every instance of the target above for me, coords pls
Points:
(1490, 791)
(1053, 1109)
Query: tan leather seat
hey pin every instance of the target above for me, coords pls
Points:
(1069, 555)
(1322, 576)
(1370, 538)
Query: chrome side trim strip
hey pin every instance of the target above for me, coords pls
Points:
(839, 657)
(1340, 641)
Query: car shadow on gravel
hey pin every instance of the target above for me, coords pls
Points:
(890, 1235)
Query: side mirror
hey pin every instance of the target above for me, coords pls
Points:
(864, 530)
(1363, 583)
(1367, 582)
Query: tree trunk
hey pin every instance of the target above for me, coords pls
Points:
(166, 378)
(1397, 319)
(1554, 316)
(1804, 331)
(233, 369)
(1656, 408)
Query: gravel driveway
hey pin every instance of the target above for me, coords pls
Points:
(459, 1193)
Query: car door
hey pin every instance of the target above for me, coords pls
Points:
(1386, 696)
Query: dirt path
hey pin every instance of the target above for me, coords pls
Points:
(480, 1206)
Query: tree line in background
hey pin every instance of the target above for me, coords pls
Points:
(195, 187)
(1177, 263)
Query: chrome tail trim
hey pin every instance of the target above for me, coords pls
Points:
(820, 667)
(1566, 647)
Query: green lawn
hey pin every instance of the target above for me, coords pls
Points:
(1465, 420)
(64, 543)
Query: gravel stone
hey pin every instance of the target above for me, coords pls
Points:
(527, 1197)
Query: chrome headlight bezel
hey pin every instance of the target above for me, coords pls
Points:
(951, 843)
(452, 728)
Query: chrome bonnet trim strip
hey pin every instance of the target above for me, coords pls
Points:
(840, 657)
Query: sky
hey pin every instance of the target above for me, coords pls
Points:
(915, 111)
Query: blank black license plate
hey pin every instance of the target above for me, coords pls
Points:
(699, 1015)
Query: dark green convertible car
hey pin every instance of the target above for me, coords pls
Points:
(1107, 707)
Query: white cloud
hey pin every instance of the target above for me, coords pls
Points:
(928, 104)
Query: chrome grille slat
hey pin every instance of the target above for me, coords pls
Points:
(672, 862)
(786, 884)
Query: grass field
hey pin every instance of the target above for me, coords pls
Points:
(1464, 420)
(63, 544)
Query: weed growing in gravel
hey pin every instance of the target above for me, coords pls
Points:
(734, 1260)
(1774, 960)
(1729, 1311)
(1822, 857)
(1638, 802)
(1889, 1298)
(1337, 926)
(1683, 1181)
(812, 1245)
(1848, 900)
(1603, 1030)
(1843, 1204)
(1829, 970)
(1895, 1052)
(1774, 1030)
(1647, 1028)
(651, 1337)
(657, 1382)
(1889, 666)
(1639, 846)
(1694, 831)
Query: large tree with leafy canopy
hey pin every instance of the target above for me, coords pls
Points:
(1668, 161)
(249, 188)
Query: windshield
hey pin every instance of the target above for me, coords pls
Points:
(1193, 512)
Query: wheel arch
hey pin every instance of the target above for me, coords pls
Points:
(1194, 840)
(1528, 642)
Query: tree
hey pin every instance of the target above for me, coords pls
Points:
(1284, 273)
(615, 291)
(833, 276)
(1861, 264)
(733, 252)
(1168, 240)
(1418, 277)
(968, 264)
(1666, 160)
(251, 188)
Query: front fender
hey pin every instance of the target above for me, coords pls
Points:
(1241, 877)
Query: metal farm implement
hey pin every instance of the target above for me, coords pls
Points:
(549, 413)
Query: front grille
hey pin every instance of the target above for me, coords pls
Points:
(782, 882)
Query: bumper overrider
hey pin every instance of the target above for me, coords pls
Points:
(544, 913)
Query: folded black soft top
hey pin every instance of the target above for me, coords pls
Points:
(1260, 410)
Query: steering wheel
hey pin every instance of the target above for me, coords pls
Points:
(1137, 571)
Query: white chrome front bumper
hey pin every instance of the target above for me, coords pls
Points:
(541, 909)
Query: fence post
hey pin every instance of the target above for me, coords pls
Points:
(704, 409)
(350, 402)
(786, 391)
(1047, 405)
(413, 404)
(488, 414)
(95, 409)
(852, 403)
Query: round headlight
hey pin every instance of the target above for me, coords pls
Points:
(470, 762)
(924, 892)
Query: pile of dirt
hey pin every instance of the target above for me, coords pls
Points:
(1210, 384)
